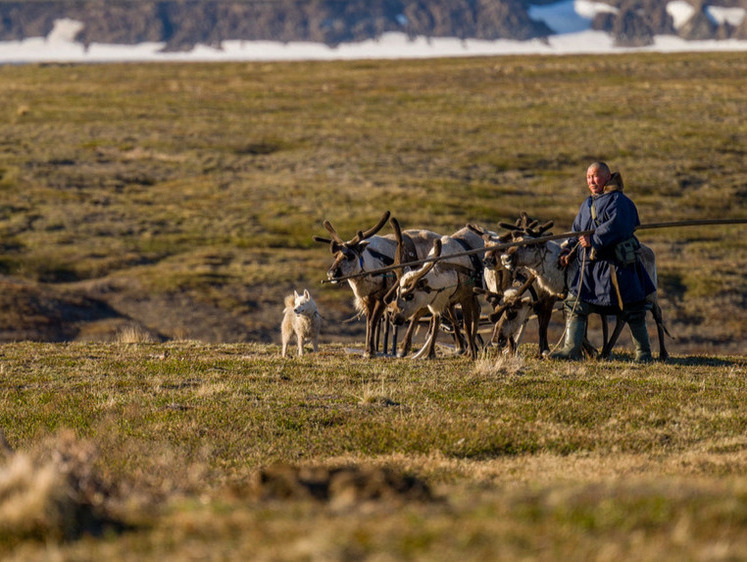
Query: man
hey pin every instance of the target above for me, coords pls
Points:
(610, 279)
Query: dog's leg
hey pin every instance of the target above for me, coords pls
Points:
(299, 337)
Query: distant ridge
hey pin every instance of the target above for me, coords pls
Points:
(181, 24)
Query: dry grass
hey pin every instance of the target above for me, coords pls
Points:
(142, 201)
(135, 334)
(33, 499)
(503, 365)
(523, 457)
(184, 197)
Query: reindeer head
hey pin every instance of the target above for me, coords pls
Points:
(525, 228)
(348, 255)
(511, 315)
(412, 291)
(490, 260)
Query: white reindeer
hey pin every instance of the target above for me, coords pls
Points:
(505, 290)
(439, 285)
(542, 260)
(367, 251)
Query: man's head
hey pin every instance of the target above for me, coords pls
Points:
(597, 176)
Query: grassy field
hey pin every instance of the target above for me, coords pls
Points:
(161, 448)
(182, 198)
(152, 217)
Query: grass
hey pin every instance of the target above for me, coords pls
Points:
(137, 176)
(153, 217)
(550, 458)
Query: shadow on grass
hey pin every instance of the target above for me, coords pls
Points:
(702, 360)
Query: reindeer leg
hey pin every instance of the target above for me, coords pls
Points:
(471, 320)
(605, 330)
(663, 353)
(407, 341)
(544, 315)
(591, 351)
(432, 342)
(386, 334)
(660, 330)
(609, 346)
(427, 344)
(468, 334)
(512, 346)
(372, 326)
(459, 342)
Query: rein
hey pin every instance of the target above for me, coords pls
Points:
(542, 240)
(575, 303)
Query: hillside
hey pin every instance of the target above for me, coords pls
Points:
(180, 199)
(183, 24)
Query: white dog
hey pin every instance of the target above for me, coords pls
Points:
(301, 318)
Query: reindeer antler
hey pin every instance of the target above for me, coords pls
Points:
(482, 233)
(360, 236)
(331, 229)
(476, 229)
(398, 255)
(511, 227)
(427, 268)
(525, 286)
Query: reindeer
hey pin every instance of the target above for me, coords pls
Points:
(397, 319)
(367, 251)
(542, 261)
(510, 316)
(514, 308)
(441, 284)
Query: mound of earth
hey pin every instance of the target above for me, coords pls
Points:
(345, 485)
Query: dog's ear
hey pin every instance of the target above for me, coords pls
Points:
(306, 293)
(295, 294)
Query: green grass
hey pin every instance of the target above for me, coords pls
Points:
(178, 201)
(132, 173)
(548, 456)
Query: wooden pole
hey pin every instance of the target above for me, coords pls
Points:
(533, 242)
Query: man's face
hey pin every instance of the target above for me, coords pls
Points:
(596, 179)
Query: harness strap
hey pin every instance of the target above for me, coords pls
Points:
(443, 266)
(410, 252)
(477, 268)
(379, 256)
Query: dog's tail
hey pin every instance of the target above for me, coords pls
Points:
(290, 301)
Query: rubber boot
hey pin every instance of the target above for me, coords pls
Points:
(575, 330)
(637, 322)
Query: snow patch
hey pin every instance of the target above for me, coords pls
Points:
(64, 30)
(570, 19)
(732, 16)
(680, 11)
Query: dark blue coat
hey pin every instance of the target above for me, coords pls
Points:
(617, 218)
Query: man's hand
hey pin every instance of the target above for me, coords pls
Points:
(565, 258)
(585, 241)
